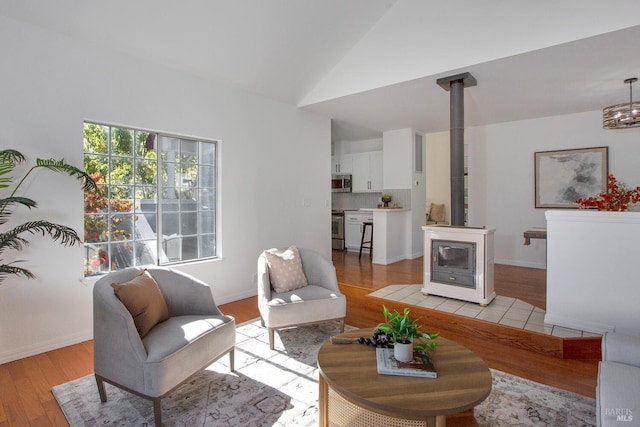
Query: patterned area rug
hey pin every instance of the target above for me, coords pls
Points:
(280, 388)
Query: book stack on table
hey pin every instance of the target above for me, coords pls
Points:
(420, 366)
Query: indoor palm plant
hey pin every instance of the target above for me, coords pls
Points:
(11, 239)
(406, 334)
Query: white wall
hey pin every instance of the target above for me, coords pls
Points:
(592, 282)
(274, 157)
(399, 173)
(396, 166)
(438, 171)
(501, 174)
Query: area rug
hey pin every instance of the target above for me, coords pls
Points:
(280, 388)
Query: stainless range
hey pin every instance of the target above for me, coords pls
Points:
(337, 229)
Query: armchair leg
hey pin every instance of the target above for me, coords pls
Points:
(271, 338)
(101, 390)
(157, 411)
(232, 359)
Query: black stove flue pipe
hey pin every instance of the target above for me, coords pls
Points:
(455, 85)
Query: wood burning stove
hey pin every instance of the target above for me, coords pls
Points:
(461, 264)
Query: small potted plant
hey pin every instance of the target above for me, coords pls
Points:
(405, 333)
(386, 198)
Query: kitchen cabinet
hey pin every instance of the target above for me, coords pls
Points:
(353, 228)
(367, 172)
(341, 164)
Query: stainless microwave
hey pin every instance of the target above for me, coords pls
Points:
(341, 183)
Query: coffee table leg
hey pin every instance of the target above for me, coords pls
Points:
(323, 398)
(437, 421)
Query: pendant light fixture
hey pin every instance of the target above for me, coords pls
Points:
(622, 116)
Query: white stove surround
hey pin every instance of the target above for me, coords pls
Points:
(484, 291)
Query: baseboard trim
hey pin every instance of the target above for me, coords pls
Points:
(236, 297)
(567, 322)
(44, 346)
(517, 263)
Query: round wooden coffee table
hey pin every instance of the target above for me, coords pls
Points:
(353, 393)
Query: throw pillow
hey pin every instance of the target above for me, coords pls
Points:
(437, 212)
(143, 298)
(285, 269)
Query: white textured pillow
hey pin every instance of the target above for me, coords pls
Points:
(285, 269)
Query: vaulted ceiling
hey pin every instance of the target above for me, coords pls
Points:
(372, 65)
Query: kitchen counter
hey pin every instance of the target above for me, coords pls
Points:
(385, 209)
(392, 234)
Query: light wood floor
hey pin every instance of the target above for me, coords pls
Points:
(25, 384)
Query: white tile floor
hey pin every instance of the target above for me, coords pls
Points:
(502, 310)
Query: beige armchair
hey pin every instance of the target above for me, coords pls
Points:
(320, 300)
(194, 334)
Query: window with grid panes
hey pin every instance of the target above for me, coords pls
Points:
(156, 202)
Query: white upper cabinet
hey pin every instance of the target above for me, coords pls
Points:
(341, 163)
(367, 172)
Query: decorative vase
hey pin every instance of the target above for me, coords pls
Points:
(403, 352)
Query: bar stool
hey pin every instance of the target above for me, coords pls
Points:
(366, 224)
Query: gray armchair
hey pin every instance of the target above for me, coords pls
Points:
(618, 390)
(319, 301)
(194, 336)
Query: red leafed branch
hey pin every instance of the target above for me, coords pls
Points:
(617, 198)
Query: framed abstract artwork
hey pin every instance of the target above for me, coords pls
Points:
(563, 176)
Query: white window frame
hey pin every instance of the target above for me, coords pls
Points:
(206, 189)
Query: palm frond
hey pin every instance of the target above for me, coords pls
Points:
(11, 240)
(8, 269)
(11, 156)
(24, 201)
(5, 213)
(60, 166)
(8, 161)
(67, 236)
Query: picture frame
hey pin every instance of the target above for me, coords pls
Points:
(563, 176)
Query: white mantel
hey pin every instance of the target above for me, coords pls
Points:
(593, 265)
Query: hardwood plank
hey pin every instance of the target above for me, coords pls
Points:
(242, 310)
(49, 370)
(42, 421)
(29, 399)
(582, 348)
(8, 392)
(54, 413)
(16, 415)
(64, 359)
(526, 284)
(41, 386)
(356, 310)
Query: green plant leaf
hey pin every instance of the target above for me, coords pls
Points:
(88, 184)
(8, 161)
(5, 214)
(8, 269)
(65, 235)
(11, 239)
